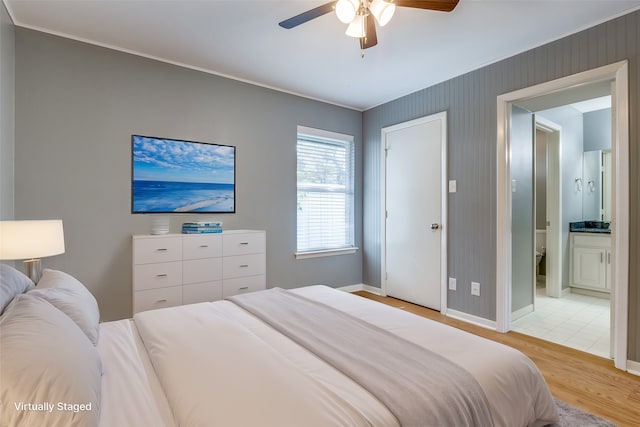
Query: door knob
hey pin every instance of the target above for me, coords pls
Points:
(435, 226)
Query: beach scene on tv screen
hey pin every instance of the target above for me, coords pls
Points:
(182, 176)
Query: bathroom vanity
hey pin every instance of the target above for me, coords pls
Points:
(590, 257)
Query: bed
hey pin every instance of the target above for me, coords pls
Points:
(224, 364)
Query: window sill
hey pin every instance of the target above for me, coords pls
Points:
(328, 252)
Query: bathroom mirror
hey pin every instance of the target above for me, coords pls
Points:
(596, 185)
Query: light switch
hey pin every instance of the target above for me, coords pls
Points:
(452, 186)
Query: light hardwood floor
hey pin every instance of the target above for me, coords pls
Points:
(585, 381)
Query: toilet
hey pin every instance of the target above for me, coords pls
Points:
(541, 243)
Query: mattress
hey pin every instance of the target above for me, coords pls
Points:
(214, 364)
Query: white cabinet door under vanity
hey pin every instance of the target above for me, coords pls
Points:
(176, 269)
(590, 261)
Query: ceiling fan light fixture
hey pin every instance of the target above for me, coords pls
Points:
(383, 11)
(346, 10)
(356, 27)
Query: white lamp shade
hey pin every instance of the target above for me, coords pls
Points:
(31, 239)
(356, 28)
(346, 10)
(383, 11)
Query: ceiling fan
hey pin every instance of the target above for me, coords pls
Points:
(361, 15)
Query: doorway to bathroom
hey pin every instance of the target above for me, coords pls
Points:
(516, 250)
(565, 310)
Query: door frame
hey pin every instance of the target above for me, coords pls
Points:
(442, 118)
(618, 72)
(554, 205)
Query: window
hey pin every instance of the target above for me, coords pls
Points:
(325, 176)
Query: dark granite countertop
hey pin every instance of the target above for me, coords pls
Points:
(599, 227)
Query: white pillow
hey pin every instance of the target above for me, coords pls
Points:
(12, 283)
(46, 359)
(70, 296)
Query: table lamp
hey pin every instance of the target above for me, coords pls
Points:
(31, 240)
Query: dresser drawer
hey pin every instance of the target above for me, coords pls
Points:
(243, 243)
(152, 276)
(157, 249)
(243, 285)
(202, 292)
(198, 246)
(201, 270)
(243, 265)
(157, 298)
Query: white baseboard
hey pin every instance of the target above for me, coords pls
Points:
(596, 294)
(361, 287)
(470, 318)
(633, 367)
(373, 290)
(351, 288)
(522, 312)
(480, 321)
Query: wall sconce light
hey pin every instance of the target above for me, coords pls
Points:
(578, 183)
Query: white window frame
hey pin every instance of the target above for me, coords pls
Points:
(349, 247)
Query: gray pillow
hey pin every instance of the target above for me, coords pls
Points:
(12, 283)
(46, 359)
(70, 296)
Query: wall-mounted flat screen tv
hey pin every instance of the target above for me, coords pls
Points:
(175, 176)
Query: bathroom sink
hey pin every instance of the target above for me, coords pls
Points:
(590, 227)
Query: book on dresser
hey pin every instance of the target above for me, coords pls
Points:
(176, 269)
(201, 227)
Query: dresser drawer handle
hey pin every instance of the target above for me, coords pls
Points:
(244, 266)
(244, 288)
(162, 250)
(161, 275)
(161, 300)
(204, 246)
(244, 243)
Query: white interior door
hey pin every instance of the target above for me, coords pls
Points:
(553, 258)
(414, 240)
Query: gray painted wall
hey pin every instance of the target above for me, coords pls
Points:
(597, 130)
(7, 84)
(470, 101)
(76, 108)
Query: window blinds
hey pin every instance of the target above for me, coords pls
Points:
(325, 175)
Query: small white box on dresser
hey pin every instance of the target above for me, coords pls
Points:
(175, 269)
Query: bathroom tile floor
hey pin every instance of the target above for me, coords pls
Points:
(577, 321)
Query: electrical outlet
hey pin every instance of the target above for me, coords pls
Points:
(452, 283)
(475, 288)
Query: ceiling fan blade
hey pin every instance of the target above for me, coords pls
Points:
(440, 5)
(308, 15)
(370, 39)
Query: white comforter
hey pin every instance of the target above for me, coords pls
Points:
(220, 366)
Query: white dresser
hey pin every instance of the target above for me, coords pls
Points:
(175, 269)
